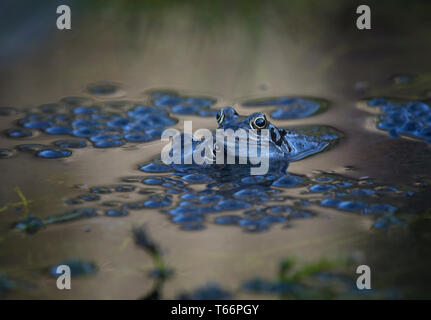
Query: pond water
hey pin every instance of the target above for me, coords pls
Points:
(80, 168)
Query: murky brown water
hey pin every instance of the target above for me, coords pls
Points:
(230, 65)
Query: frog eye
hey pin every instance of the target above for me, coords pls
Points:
(220, 117)
(258, 123)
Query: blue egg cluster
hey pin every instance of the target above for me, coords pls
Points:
(289, 107)
(411, 118)
(108, 124)
(184, 105)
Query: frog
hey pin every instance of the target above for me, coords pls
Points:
(282, 145)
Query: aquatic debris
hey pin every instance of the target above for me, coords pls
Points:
(18, 205)
(32, 224)
(161, 273)
(77, 268)
(143, 239)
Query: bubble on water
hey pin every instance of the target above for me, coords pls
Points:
(74, 144)
(330, 202)
(196, 178)
(86, 132)
(279, 209)
(30, 147)
(254, 194)
(138, 137)
(227, 205)
(253, 179)
(108, 143)
(322, 187)
(116, 213)
(155, 167)
(157, 203)
(287, 181)
(187, 218)
(362, 192)
(19, 133)
(210, 198)
(35, 124)
(152, 181)
(89, 197)
(59, 130)
(7, 111)
(188, 196)
(124, 188)
(54, 153)
(101, 190)
(351, 205)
